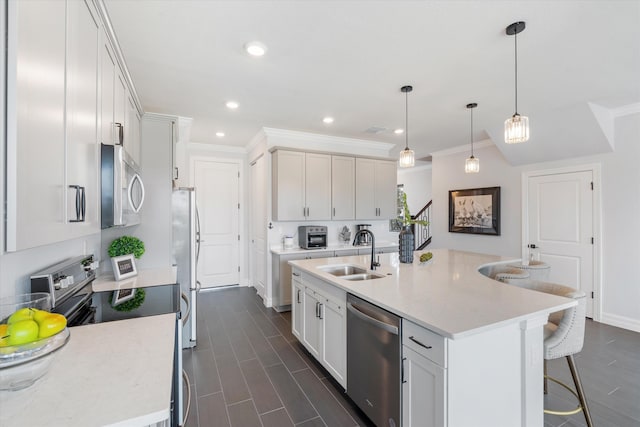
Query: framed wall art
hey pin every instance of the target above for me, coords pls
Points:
(475, 211)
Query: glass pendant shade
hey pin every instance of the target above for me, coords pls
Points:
(472, 165)
(516, 129)
(407, 158)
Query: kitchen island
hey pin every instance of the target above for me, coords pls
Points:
(479, 359)
(108, 374)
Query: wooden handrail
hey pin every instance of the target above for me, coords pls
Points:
(422, 210)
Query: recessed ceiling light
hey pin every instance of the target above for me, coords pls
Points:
(255, 48)
(219, 134)
(398, 131)
(328, 120)
(232, 105)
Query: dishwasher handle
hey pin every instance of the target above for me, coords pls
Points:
(375, 322)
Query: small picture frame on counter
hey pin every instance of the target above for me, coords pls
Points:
(124, 266)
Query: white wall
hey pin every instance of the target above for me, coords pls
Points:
(620, 192)
(417, 186)
(448, 174)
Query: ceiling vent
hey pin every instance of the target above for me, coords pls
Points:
(375, 129)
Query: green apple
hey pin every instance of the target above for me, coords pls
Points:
(22, 332)
(39, 315)
(51, 324)
(21, 314)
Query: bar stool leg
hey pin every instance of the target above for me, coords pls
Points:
(579, 389)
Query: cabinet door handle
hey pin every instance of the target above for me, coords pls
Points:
(320, 308)
(402, 371)
(298, 296)
(428, 347)
(317, 315)
(334, 211)
(80, 203)
(296, 274)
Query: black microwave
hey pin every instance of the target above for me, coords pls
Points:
(312, 236)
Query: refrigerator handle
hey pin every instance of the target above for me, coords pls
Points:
(197, 235)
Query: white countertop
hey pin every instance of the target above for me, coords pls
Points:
(108, 374)
(279, 250)
(447, 295)
(147, 277)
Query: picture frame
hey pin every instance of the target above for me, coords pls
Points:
(475, 211)
(124, 266)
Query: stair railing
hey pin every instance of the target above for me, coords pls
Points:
(422, 233)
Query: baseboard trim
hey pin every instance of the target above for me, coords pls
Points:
(620, 321)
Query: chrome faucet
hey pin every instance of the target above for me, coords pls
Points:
(374, 264)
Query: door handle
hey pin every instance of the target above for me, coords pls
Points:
(81, 203)
(320, 307)
(375, 322)
(533, 246)
(402, 370)
(298, 296)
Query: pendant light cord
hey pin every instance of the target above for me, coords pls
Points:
(406, 120)
(516, 80)
(471, 132)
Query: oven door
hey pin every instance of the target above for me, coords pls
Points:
(317, 241)
(78, 309)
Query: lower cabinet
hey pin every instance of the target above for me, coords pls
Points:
(424, 379)
(423, 391)
(320, 322)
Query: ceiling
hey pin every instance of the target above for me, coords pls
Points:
(348, 60)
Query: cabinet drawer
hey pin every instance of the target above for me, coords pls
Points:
(427, 343)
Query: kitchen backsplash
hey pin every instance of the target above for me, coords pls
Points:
(379, 228)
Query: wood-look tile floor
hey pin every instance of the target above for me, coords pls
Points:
(249, 370)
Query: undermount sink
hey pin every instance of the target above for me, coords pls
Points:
(363, 276)
(343, 270)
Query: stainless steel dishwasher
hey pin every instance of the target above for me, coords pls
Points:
(374, 361)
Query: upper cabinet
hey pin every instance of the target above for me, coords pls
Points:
(343, 188)
(312, 186)
(301, 186)
(376, 182)
(59, 65)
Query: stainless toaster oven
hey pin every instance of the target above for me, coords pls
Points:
(312, 236)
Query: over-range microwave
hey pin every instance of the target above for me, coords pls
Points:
(121, 188)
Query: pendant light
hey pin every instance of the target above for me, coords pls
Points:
(407, 156)
(516, 128)
(472, 164)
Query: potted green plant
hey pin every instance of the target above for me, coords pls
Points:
(126, 245)
(406, 242)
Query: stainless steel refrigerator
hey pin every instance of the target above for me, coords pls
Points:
(186, 250)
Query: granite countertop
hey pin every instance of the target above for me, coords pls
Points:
(113, 373)
(146, 277)
(446, 295)
(279, 250)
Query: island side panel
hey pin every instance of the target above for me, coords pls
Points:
(485, 379)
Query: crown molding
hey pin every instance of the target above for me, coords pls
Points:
(314, 141)
(463, 148)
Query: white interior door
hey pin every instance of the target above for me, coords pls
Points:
(561, 229)
(217, 191)
(258, 226)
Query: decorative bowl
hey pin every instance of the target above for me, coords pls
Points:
(21, 365)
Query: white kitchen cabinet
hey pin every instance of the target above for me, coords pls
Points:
(301, 186)
(107, 87)
(376, 182)
(52, 72)
(320, 323)
(132, 130)
(297, 306)
(423, 391)
(281, 276)
(343, 188)
(82, 149)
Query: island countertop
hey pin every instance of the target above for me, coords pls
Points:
(108, 374)
(447, 295)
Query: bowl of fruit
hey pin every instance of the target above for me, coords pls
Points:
(29, 337)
